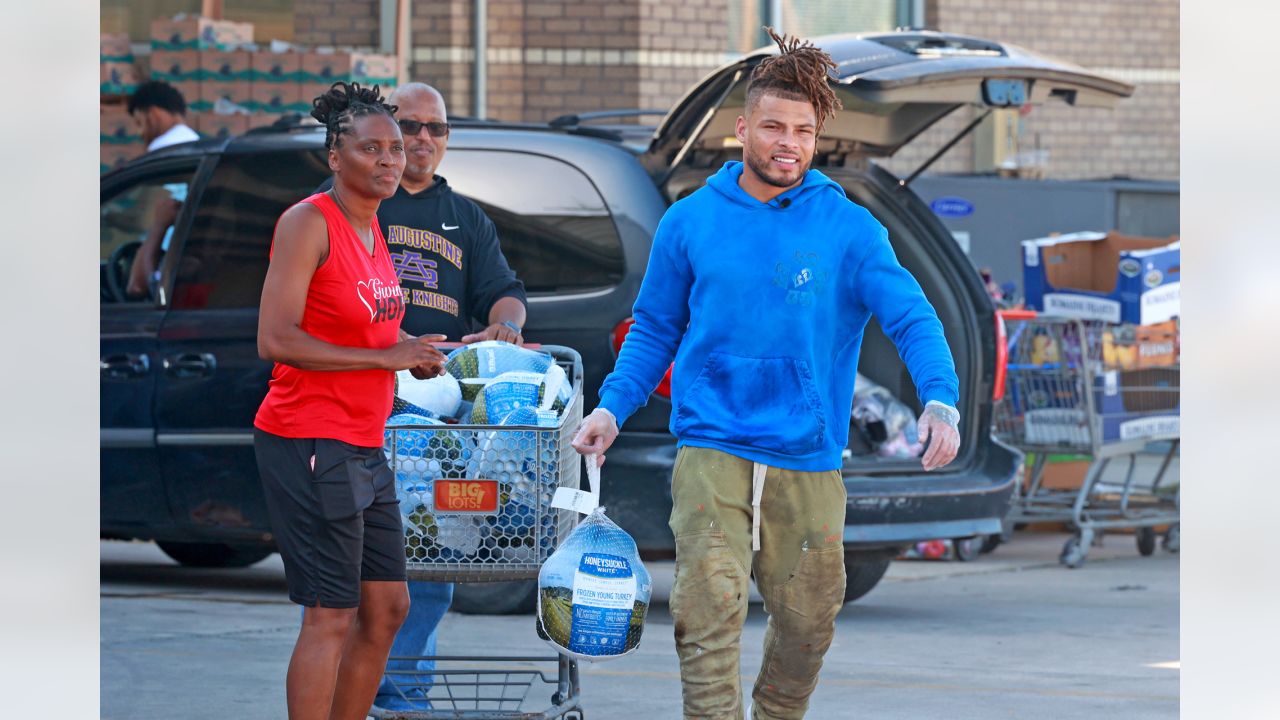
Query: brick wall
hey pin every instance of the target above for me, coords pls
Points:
(551, 57)
(1137, 41)
(336, 22)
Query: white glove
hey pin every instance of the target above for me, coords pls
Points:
(939, 425)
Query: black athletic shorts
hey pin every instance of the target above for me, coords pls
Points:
(336, 525)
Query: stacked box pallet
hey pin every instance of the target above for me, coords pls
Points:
(117, 70)
(320, 70)
(230, 86)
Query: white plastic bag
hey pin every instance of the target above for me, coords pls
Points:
(593, 592)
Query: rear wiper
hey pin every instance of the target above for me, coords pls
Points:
(943, 150)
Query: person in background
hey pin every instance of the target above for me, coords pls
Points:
(160, 112)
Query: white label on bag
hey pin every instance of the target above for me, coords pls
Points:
(604, 595)
(577, 500)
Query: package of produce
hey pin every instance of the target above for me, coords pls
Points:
(593, 592)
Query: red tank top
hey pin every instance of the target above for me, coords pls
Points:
(354, 300)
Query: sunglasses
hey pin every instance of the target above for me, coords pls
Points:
(434, 129)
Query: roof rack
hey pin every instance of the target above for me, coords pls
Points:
(576, 119)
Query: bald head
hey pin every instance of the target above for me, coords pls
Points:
(420, 103)
(415, 91)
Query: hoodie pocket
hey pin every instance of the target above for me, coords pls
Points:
(765, 403)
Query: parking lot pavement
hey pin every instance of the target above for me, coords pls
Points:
(1012, 635)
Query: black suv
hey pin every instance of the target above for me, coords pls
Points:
(576, 205)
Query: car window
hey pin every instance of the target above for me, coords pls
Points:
(554, 227)
(126, 218)
(224, 259)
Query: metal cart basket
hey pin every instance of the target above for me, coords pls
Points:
(1066, 391)
(476, 507)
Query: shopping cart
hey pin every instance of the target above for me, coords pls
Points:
(476, 506)
(1069, 389)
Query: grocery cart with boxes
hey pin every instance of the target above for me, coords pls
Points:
(1105, 391)
(476, 506)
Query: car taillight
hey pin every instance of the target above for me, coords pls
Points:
(1002, 360)
(1002, 348)
(620, 335)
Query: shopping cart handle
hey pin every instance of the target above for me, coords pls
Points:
(451, 345)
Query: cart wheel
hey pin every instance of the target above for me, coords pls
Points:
(1074, 552)
(1146, 538)
(1172, 538)
(991, 542)
(967, 549)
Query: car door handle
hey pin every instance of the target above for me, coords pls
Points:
(125, 366)
(190, 365)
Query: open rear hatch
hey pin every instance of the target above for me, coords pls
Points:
(894, 86)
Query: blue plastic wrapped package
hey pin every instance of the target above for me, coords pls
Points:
(475, 364)
(593, 592)
(510, 391)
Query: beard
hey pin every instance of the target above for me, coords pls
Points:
(760, 164)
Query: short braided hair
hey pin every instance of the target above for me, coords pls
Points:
(798, 72)
(338, 108)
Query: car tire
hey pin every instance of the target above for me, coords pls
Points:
(496, 598)
(862, 573)
(214, 555)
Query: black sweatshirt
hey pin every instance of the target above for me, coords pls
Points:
(446, 254)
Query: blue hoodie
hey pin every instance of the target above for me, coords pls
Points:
(763, 306)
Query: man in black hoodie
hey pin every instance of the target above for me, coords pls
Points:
(454, 278)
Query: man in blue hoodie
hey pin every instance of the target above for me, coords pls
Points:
(759, 285)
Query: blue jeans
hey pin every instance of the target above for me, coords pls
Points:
(428, 602)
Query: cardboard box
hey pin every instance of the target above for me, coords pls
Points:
(235, 92)
(1109, 277)
(193, 32)
(276, 97)
(216, 125)
(309, 91)
(225, 66)
(114, 155)
(1060, 474)
(118, 127)
(1139, 404)
(115, 47)
(190, 91)
(175, 66)
(118, 78)
(364, 68)
(276, 67)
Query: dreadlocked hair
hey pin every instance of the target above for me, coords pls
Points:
(798, 72)
(338, 108)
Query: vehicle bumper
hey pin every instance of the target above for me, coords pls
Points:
(882, 512)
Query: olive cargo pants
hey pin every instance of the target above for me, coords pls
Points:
(799, 569)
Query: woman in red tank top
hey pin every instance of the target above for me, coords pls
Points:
(330, 320)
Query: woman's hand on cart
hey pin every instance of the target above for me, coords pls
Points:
(596, 434)
(417, 355)
(939, 428)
